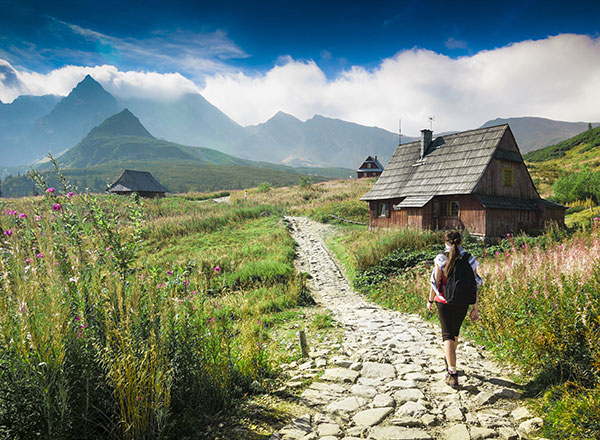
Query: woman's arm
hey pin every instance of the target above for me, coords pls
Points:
(437, 278)
(475, 311)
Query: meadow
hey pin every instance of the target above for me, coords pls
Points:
(137, 319)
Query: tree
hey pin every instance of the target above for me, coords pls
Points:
(589, 125)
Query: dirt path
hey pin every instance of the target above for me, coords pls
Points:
(389, 382)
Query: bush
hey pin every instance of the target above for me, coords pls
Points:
(264, 187)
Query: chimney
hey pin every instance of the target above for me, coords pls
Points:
(426, 136)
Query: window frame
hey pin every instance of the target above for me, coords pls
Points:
(508, 177)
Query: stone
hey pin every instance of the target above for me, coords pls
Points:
(320, 363)
(410, 408)
(307, 365)
(407, 421)
(429, 420)
(397, 433)
(356, 366)
(520, 413)
(383, 400)
(370, 382)
(341, 362)
(492, 420)
(363, 391)
(416, 376)
(399, 383)
(377, 370)
(457, 432)
(508, 433)
(410, 394)
(531, 426)
(312, 436)
(348, 404)
(455, 414)
(481, 433)
(298, 428)
(352, 438)
(328, 429)
(371, 417)
(356, 431)
(340, 375)
(507, 393)
(486, 398)
(329, 437)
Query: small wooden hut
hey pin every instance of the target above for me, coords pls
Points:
(140, 182)
(475, 180)
(371, 167)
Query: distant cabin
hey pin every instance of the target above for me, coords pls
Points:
(474, 180)
(140, 182)
(371, 167)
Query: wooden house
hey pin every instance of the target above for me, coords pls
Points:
(371, 167)
(139, 182)
(474, 180)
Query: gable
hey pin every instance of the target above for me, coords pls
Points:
(453, 164)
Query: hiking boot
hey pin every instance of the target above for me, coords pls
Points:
(452, 380)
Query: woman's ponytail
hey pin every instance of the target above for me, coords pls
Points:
(455, 239)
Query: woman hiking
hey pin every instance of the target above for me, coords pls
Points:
(454, 282)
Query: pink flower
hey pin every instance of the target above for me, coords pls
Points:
(38, 218)
(508, 235)
(8, 232)
(27, 260)
(169, 272)
(50, 190)
(77, 318)
(186, 282)
(193, 292)
(56, 207)
(597, 219)
(107, 248)
(217, 269)
(70, 194)
(259, 322)
(56, 263)
(23, 215)
(40, 255)
(211, 320)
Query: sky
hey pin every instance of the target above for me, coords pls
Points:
(367, 62)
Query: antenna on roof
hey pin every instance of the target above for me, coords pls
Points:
(431, 120)
(399, 131)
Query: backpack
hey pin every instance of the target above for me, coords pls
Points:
(461, 287)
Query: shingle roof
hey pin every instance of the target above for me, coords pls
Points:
(414, 202)
(497, 202)
(453, 164)
(374, 160)
(136, 181)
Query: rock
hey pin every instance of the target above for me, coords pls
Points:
(486, 398)
(531, 426)
(356, 366)
(455, 414)
(328, 429)
(348, 404)
(507, 393)
(352, 438)
(307, 365)
(508, 433)
(341, 362)
(407, 421)
(363, 391)
(481, 433)
(429, 420)
(370, 382)
(417, 377)
(320, 363)
(410, 394)
(371, 417)
(375, 370)
(256, 387)
(520, 413)
(399, 383)
(356, 431)
(312, 436)
(397, 433)
(298, 428)
(457, 432)
(492, 420)
(383, 400)
(329, 437)
(413, 409)
(340, 375)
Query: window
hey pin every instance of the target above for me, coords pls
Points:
(443, 209)
(453, 209)
(508, 177)
(382, 209)
(436, 208)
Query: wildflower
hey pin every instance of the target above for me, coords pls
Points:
(23, 215)
(77, 318)
(161, 285)
(27, 260)
(51, 190)
(597, 219)
(169, 272)
(211, 319)
(38, 218)
(8, 232)
(186, 282)
(40, 255)
(560, 246)
(56, 207)
(193, 292)
(217, 269)
(508, 235)
(107, 248)
(70, 194)
(497, 253)
(259, 322)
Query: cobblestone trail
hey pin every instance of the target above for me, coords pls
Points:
(388, 384)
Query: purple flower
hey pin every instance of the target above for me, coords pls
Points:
(186, 282)
(597, 219)
(50, 190)
(56, 263)
(8, 232)
(259, 322)
(40, 255)
(217, 269)
(193, 292)
(56, 207)
(169, 272)
(70, 194)
(27, 260)
(23, 215)
(508, 235)
(77, 318)
(38, 218)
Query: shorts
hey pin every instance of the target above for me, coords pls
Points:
(451, 318)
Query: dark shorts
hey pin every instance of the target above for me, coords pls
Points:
(451, 318)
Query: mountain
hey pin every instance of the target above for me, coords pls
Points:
(319, 141)
(534, 133)
(189, 120)
(16, 121)
(73, 117)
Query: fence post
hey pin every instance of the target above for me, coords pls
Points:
(303, 344)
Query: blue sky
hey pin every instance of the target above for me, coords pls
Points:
(219, 46)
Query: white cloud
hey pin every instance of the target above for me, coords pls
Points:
(557, 77)
(453, 43)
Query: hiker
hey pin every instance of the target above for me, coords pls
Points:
(454, 282)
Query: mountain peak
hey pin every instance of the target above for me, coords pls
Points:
(123, 123)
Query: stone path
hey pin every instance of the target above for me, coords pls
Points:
(388, 384)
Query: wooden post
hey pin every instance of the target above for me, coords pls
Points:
(303, 344)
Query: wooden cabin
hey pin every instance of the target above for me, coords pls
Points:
(475, 180)
(371, 167)
(139, 182)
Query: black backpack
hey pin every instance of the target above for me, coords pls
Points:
(461, 287)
